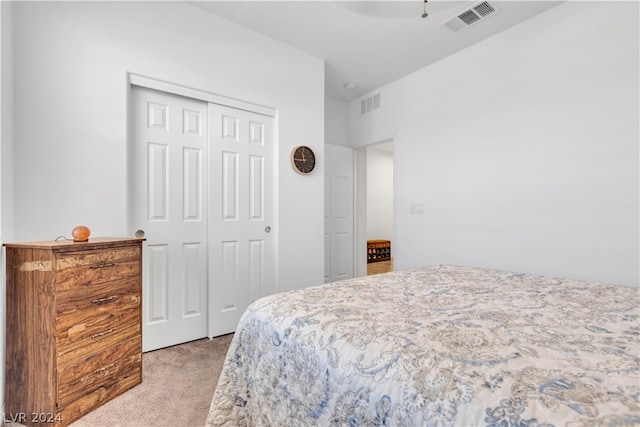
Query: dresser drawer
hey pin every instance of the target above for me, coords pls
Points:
(87, 403)
(87, 322)
(82, 269)
(78, 381)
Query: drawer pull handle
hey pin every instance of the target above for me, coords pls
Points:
(103, 300)
(103, 265)
(106, 368)
(103, 333)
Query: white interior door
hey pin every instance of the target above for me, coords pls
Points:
(169, 203)
(338, 213)
(241, 213)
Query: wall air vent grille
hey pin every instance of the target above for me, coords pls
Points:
(483, 9)
(369, 104)
(470, 16)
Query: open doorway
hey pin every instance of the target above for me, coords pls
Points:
(376, 208)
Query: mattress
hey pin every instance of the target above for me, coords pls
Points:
(436, 346)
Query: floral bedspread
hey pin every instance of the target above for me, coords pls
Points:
(436, 346)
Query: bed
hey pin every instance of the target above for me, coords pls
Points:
(436, 346)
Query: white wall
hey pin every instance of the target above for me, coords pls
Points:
(336, 121)
(3, 36)
(6, 125)
(6, 192)
(71, 113)
(523, 148)
(379, 194)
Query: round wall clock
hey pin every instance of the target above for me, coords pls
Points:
(303, 159)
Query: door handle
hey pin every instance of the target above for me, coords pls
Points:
(267, 229)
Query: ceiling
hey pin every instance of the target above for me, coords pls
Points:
(371, 43)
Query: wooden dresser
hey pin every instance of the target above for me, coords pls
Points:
(74, 334)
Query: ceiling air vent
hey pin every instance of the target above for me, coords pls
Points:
(369, 104)
(470, 16)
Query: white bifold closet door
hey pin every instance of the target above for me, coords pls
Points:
(241, 231)
(169, 203)
(202, 191)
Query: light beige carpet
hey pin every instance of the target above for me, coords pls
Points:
(177, 387)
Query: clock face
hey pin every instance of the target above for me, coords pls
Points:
(303, 159)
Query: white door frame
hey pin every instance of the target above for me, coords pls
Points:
(175, 89)
(360, 201)
(137, 80)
